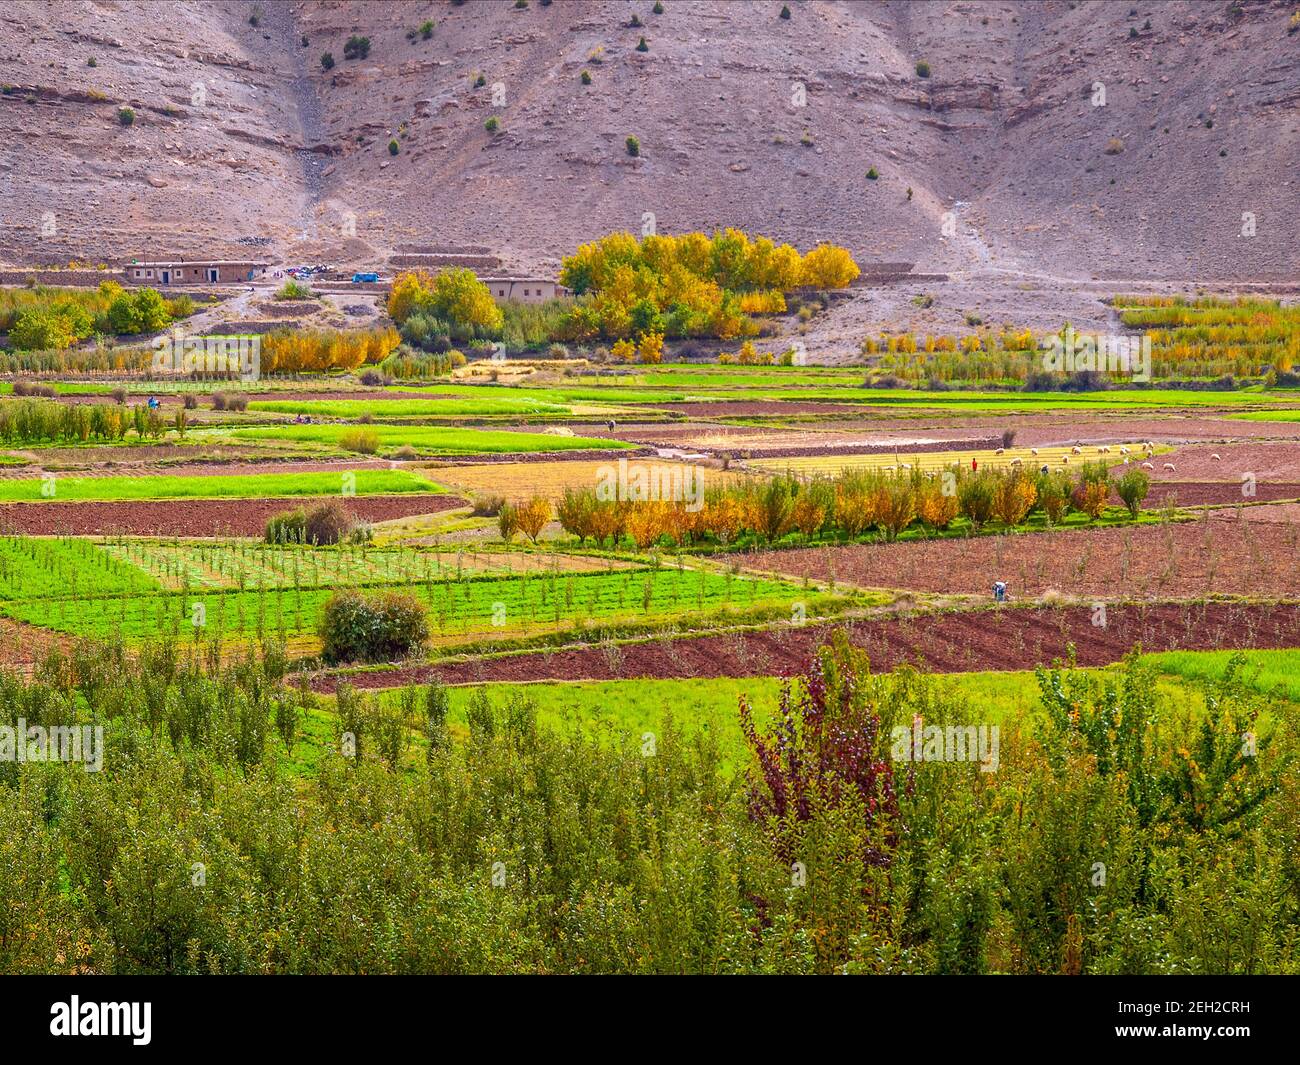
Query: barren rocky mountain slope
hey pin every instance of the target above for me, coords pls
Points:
(743, 118)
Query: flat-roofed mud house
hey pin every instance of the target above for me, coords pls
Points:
(525, 289)
(194, 271)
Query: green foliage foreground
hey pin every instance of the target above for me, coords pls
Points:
(1116, 834)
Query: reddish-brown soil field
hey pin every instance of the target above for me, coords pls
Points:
(779, 443)
(752, 408)
(175, 399)
(1034, 430)
(1175, 559)
(1267, 462)
(196, 517)
(959, 642)
(210, 469)
(65, 457)
(1199, 493)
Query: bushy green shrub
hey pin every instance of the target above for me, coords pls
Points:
(1132, 488)
(380, 628)
(289, 527)
(328, 523)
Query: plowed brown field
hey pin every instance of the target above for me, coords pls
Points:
(1141, 561)
(958, 642)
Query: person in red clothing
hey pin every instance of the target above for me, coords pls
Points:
(974, 465)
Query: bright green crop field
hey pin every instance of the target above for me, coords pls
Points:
(228, 486)
(431, 439)
(524, 605)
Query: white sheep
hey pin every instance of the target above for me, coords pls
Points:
(1076, 450)
(1123, 451)
(1033, 451)
(1169, 466)
(1015, 462)
(999, 451)
(1216, 458)
(1147, 466)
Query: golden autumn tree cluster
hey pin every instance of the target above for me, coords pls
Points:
(316, 350)
(455, 297)
(691, 285)
(854, 504)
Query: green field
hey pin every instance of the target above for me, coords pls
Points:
(651, 385)
(516, 606)
(410, 408)
(244, 564)
(1283, 414)
(430, 439)
(37, 569)
(1269, 672)
(227, 486)
(707, 706)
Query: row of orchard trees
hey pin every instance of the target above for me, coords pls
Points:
(850, 505)
(690, 285)
(34, 421)
(515, 843)
(316, 350)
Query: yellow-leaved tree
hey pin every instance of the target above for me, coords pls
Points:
(828, 266)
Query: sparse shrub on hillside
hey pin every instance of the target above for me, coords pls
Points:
(356, 47)
(327, 61)
(480, 81)
(426, 29)
(92, 62)
(126, 116)
(381, 628)
(492, 124)
(633, 146)
(642, 46)
(785, 11)
(1114, 146)
(873, 174)
(394, 147)
(922, 69)
(585, 78)
(658, 9)
(255, 17)
(293, 290)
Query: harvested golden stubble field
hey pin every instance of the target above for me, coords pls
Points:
(516, 481)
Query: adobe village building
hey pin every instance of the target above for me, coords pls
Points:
(525, 289)
(194, 271)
